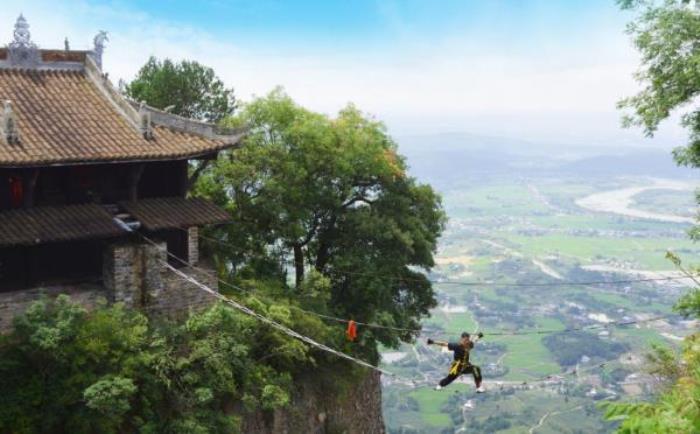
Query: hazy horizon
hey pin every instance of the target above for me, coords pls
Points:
(541, 71)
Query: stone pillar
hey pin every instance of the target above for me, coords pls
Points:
(153, 259)
(133, 272)
(193, 245)
(116, 277)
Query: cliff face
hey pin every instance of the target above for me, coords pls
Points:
(316, 408)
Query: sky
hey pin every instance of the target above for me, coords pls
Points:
(539, 70)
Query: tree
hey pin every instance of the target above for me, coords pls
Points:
(332, 195)
(64, 369)
(187, 88)
(667, 34)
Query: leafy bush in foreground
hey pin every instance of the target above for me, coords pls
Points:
(64, 369)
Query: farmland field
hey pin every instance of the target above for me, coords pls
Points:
(508, 231)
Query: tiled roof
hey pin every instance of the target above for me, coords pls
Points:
(66, 116)
(56, 223)
(175, 212)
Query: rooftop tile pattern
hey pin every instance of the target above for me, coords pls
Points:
(64, 118)
(56, 223)
(175, 212)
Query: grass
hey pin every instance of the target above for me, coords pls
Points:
(431, 401)
(527, 357)
(494, 200)
(648, 254)
(526, 408)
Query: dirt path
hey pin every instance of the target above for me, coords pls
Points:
(551, 413)
(542, 198)
(500, 359)
(544, 268)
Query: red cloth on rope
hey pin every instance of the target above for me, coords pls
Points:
(351, 332)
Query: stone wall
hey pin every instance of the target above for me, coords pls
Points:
(178, 296)
(318, 409)
(16, 302)
(134, 274)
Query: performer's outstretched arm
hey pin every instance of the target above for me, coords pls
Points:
(438, 343)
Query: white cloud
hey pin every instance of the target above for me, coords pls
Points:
(548, 92)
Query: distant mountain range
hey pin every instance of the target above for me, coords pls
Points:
(442, 159)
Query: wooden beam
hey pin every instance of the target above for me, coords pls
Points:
(29, 179)
(135, 173)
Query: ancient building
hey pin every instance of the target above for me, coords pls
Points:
(85, 174)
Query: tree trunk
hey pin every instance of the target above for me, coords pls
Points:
(326, 238)
(299, 264)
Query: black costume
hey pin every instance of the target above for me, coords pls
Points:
(461, 365)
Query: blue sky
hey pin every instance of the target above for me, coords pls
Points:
(538, 70)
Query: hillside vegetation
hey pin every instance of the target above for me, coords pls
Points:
(325, 220)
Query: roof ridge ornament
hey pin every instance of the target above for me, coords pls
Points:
(99, 47)
(10, 132)
(22, 51)
(146, 125)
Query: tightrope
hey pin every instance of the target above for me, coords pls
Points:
(495, 333)
(273, 323)
(323, 347)
(266, 320)
(434, 331)
(485, 283)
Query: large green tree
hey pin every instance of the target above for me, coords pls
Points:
(667, 35)
(186, 88)
(332, 197)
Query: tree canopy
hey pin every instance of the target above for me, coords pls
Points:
(64, 369)
(667, 34)
(187, 88)
(329, 196)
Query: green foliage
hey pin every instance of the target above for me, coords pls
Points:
(110, 396)
(677, 410)
(331, 195)
(568, 348)
(689, 304)
(667, 34)
(63, 369)
(190, 89)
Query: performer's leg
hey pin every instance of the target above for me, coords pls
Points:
(477, 376)
(476, 372)
(454, 373)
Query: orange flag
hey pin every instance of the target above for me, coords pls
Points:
(351, 332)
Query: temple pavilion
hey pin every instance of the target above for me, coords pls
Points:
(84, 173)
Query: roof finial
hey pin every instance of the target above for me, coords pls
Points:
(66, 44)
(22, 51)
(99, 47)
(21, 33)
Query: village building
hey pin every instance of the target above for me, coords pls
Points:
(88, 178)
